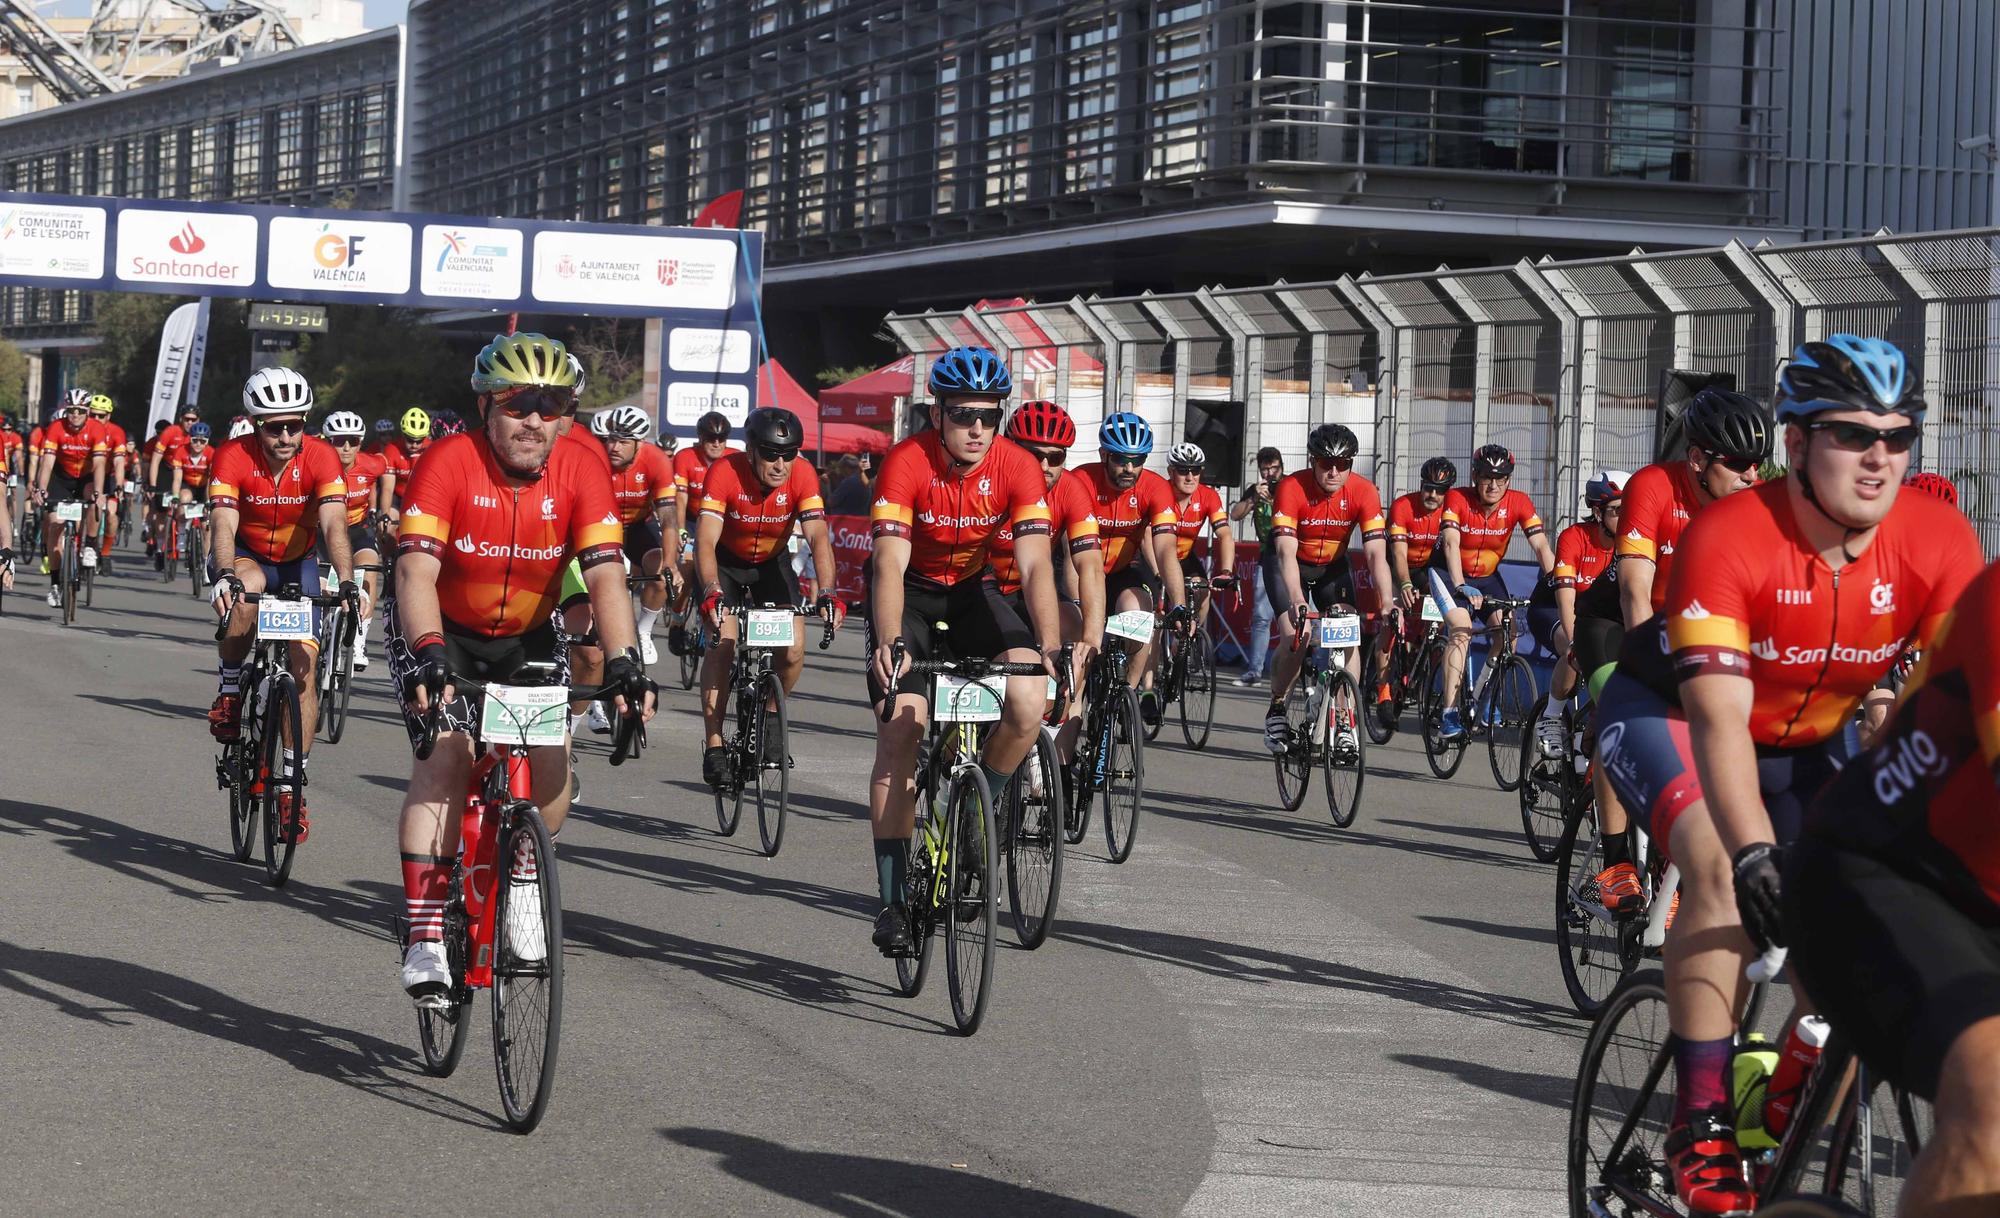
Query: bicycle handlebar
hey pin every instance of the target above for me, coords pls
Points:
(324, 600)
(899, 651)
(825, 639)
(629, 723)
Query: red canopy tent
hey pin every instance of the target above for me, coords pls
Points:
(822, 437)
(870, 398)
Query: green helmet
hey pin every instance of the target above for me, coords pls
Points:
(512, 361)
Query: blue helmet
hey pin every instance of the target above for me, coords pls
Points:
(198, 432)
(973, 371)
(1847, 372)
(1126, 433)
(385, 426)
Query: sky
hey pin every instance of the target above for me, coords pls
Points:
(377, 13)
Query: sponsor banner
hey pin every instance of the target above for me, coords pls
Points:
(856, 412)
(851, 549)
(157, 245)
(686, 401)
(197, 358)
(700, 349)
(371, 257)
(56, 242)
(634, 269)
(477, 263)
(170, 370)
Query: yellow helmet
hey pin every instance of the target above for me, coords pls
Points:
(100, 404)
(512, 361)
(416, 423)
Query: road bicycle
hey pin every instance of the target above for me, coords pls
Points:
(1554, 785)
(1111, 749)
(1186, 676)
(759, 745)
(1322, 713)
(335, 671)
(1411, 660)
(1599, 948)
(72, 578)
(1506, 703)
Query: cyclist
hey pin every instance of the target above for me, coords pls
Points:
(1728, 438)
(1465, 567)
(369, 485)
(384, 430)
(941, 496)
(1196, 505)
(119, 458)
(523, 505)
(1786, 604)
(1135, 514)
(711, 444)
(413, 438)
(74, 456)
(271, 496)
(10, 458)
(1583, 551)
(1414, 522)
(642, 482)
(167, 439)
(1316, 513)
(192, 464)
(749, 501)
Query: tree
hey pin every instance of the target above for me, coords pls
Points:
(840, 376)
(613, 357)
(379, 362)
(122, 364)
(13, 377)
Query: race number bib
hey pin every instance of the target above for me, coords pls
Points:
(69, 513)
(1430, 612)
(190, 511)
(1340, 633)
(961, 700)
(524, 714)
(289, 621)
(1136, 625)
(768, 628)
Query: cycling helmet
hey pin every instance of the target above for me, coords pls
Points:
(774, 427)
(415, 423)
(1729, 424)
(76, 399)
(970, 372)
(1605, 486)
(100, 404)
(600, 424)
(1492, 461)
(1847, 373)
(199, 431)
(625, 423)
(277, 391)
(384, 426)
(1042, 423)
(576, 366)
(240, 428)
(1187, 456)
(1332, 440)
(517, 361)
(1125, 433)
(158, 427)
(1438, 474)
(1934, 484)
(712, 426)
(343, 423)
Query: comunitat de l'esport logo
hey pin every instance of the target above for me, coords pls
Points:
(487, 549)
(337, 255)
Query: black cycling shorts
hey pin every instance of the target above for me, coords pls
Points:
(981, 625)
(771, 582)
(1892, 964)
(476, 656)
(65, 489)
(1134, 578)
(362, 537)
(1325, 586)
(1542, 623)
(1597, 643)
(642, 537)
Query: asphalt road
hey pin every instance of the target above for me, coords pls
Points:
(1258, 1014)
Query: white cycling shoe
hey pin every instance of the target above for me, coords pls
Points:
(426, 972)
(648, 651)
(360, 655)
(599, 722)
(55, 598)
(90, 556)
(527, 936)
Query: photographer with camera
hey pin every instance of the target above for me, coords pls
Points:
(1256, 504)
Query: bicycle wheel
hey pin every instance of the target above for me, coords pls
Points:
(970, 911)
(1198, 692)
(912, 970)
(729, 796)
(1344, 751)
(1613, 1169)
(1161, 691)
(1295, 764)
(239, 761)
(1443, 756)
(773, 779)
(340, 693)
(1867, 1151)
(1124, 776)
(1033, 843)
(66, 566)
(1372, 678)
(1081, 778)
(1545, 790)
(527, 990)
(691, 659)
(1597, 948)
(195, 566)
(170, 563)
(281, 710)
(441, 1030)
(1510, 705)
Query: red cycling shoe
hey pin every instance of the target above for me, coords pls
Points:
(222, 716)
(1708, 1168)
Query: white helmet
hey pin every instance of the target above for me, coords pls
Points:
(600, 424)
(576, 366)
(343, 423)
(277, 391)
(240, 428)
(626, 423)
(1185, 453)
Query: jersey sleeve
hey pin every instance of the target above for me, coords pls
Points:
(1648, 500)
(662, 472)
(1957, 559)
(806, 490)
(428, 508)
(1709, 595)
(1288, 503)
(1162, 514)
(719, 488)
(323, 471)
(1569, 554)
(596, 535)
(225, 477)
(1368, 511)
(1079, 514)
(896, 490)
(1456, 509)
(1525, 514)
(1401, 516)
(1217, 517)
(1027, 507)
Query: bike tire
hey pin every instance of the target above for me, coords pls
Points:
(772, 803)
(1345, 775)
(67, 565)
(1441, 755)
(195, 564)
(1080, 787)
(89, 591)
(1597, 950)
(238, 758)
(1372, 677)
(441, 1031)
(281, 709)
(1866, 1163)
(971, 908)
(1033, 846)
(1197, 698)
(729, 796)
(1544, 791)
(914, 969)
(690, 659)
(340, 694)
(1295, 764)
(527, 994)
(1124, 776)
(1510, 703)
(1620, 1055)
(170, 560)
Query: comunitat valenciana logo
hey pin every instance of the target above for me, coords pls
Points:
(337, 254)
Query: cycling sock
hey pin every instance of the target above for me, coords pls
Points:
(892, 867)
(523, 871)
(646, 619)
(996, 780)
(295, 765)
(1701, 1072)
(1617, 849)
(426, 882)
(229, 678)
(1276, 708)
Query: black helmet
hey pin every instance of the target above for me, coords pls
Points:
(1332, 440)
(774, 427)
(1492, 461)
(712, 426)
(1438, 474)
(1729, 424)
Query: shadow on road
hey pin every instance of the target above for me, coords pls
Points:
(1550, 1089)
(696, 877)
(865, 1187)
(1298, 826)
(1526, 934)
(149, 706)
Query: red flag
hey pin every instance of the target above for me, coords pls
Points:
(725, 212)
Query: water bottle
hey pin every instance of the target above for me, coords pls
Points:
(1750, 1080)
(1795, 1062)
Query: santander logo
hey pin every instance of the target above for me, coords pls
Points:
(465, 545)
(186, 241)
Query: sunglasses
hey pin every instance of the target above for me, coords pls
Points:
(966, 416)
(345, 441)
(1743, 465)
(1184, 469)
(74, 411)
(1125, 459)
(768, 453)
(1859, 437)
(1326, 463)
(1048, 456)
(283, 427)
(548, 403)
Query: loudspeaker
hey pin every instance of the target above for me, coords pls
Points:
(1218, 427)
(1677, 387)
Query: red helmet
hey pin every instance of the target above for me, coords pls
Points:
(1933, 484)
(1042, 423)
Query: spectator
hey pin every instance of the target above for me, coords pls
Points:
(854, 492)
(1256, 504)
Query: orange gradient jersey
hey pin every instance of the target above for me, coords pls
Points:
(1660, 502)
(74, 447)
(1203, 508)
(361, 478)
(1750, 599)
(1410, 524)
(1126, 517)
(690, 472)
(502, 543)
(1581, 557)
(756, 519)
(115, 439)
(277, 510)
(1483, 533)
(1325, 522)
(642, 486)
(195, 467)
(1070, 518)
(950, 515)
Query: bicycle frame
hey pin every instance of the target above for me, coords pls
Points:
(500, 770)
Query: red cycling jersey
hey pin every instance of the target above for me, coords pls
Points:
(115, 439)
(1412, 525)
(690, 472)
(1204, 507)
(278, 510)
(10, 443)
(1071, 516)
(401, 456)
(1123, 517)
(1751, 599)
(1659, 502)
(502, 542)
(195, 465)
(581, 440)
(949, 515)
(1325, 521)
(1483, 534)
(756, 519)
(74, 448)
(361, 478)
(167, 443)
(1581, 556)
(643, 485)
